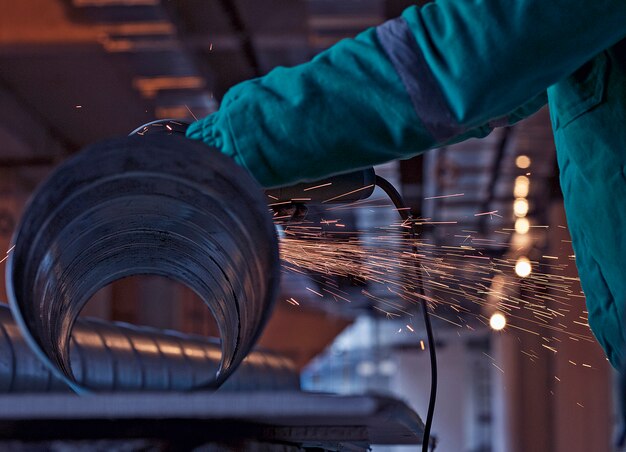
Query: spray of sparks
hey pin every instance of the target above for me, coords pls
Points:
(459, 281)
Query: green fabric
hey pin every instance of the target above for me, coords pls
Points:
(345, 109)
(348, 108)
(588, 112)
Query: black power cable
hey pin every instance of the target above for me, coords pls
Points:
(406, 216)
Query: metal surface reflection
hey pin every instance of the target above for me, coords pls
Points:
(120, 357)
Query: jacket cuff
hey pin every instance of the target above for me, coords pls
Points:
(247, 148)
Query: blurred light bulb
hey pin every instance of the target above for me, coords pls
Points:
(387, 368)
(521, 242)
(522, 185)
(520, 207)
(522, 225)
(497, 321)
(522, 161)
(523, 267)
(366, 369)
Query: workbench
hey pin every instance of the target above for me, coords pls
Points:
(251, 421)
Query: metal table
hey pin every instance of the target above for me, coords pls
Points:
(207, 421)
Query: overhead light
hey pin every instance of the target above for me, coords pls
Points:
(497, 321)
(521, 242)
(522, 225)
(520, 207)
(150, 86)
(522, 185)
(138, 28)
(523, 268)
(522, 161)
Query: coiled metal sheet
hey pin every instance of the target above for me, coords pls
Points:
(114, 356)
(161, 205)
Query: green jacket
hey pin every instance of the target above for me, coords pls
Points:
(445, 72)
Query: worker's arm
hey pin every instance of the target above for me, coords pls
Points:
(437, 74)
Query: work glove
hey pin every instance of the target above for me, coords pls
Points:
(213, 130)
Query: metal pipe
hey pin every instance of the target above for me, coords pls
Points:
(114, 356)
(161, 205)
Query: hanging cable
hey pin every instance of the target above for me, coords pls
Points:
(407, 217)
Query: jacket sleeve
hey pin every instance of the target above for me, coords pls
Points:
(437, 74)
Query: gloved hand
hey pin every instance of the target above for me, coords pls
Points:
(213, 130)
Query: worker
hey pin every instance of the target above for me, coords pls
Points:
(445, 72)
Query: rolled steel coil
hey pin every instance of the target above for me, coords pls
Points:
(115, 356)
(161, 205)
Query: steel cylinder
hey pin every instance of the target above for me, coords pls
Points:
(160, 205)
(115, 356)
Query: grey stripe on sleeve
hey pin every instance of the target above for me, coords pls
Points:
(428, 101)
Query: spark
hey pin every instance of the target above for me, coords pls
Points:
(348, 193)
(389, 315)
(281, 203)
(445, 196)
(316, 293)
(491, 212)
(7, 254)
(318, 186)
(191, 112)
